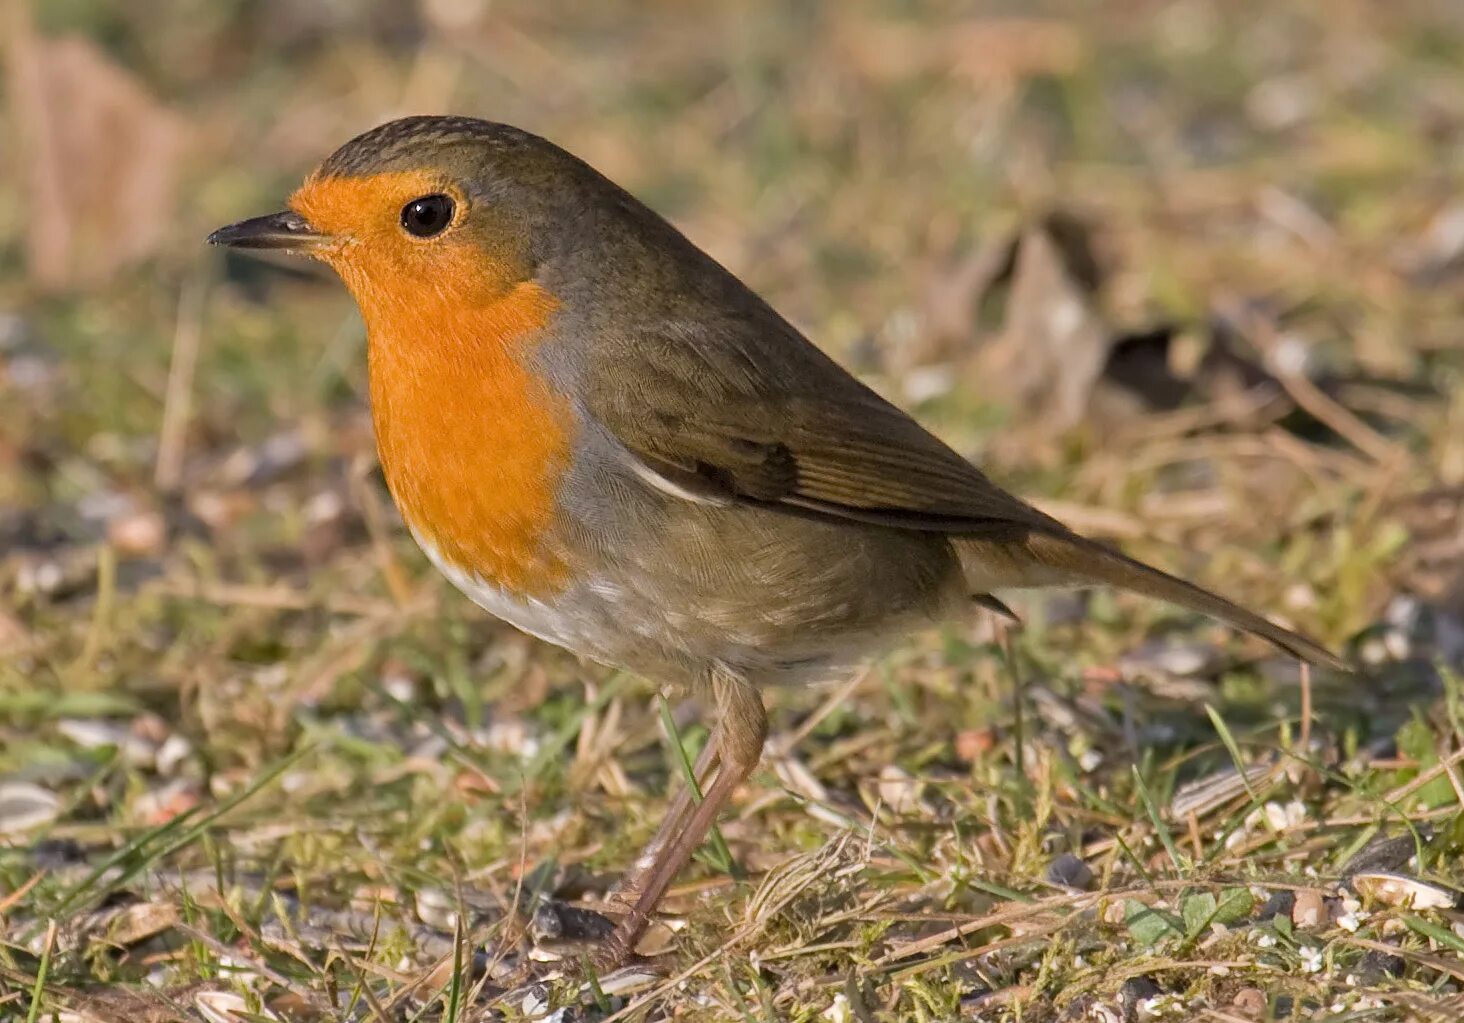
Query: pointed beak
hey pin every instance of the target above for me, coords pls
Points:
(285, 231)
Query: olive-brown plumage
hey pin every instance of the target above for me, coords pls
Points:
(602, 436)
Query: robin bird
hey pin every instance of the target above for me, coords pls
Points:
(603, 437)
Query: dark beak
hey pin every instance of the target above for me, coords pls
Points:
(285, 231)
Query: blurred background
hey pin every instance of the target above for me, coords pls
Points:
(1189, 274)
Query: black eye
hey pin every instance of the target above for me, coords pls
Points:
(428, 215)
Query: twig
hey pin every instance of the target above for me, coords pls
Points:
(1308, 395)
(178, 398)
(1306, 708)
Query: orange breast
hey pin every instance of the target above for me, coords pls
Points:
(473, 444)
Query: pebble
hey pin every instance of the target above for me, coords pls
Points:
(142, 532)
(24, 806)
(1382, 854)
(1250, 1002)
(1135, 991)
(899, 790)
(436, 908)
(174, 750)
(162, 804)
(1308, 910)
(99, 733)
(1376, 966)
(1280, 903)
(974, 743)
(1069, 871)
(1183, 660)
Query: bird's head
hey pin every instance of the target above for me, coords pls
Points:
(428, 208)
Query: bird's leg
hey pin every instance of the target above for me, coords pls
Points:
(628, 891)
(742, 727)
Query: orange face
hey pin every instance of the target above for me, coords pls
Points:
(472, 442)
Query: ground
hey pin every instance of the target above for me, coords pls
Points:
(1190, 275)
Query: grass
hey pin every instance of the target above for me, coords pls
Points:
(256, 756)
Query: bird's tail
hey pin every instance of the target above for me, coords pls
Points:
(1042, 558)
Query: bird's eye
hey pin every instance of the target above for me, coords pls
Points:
(428, 215)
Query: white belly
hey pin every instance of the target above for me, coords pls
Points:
(535, 617)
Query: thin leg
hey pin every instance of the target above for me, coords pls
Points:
(742, 727)
(630, 887)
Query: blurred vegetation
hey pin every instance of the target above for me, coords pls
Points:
(254, 754)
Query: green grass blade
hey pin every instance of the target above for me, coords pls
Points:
(721, 854)
(1147, 798)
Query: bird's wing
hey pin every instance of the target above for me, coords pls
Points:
(783, 426)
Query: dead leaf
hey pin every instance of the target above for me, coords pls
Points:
(99, 153)
(1054, 347)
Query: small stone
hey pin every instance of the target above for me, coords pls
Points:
(1135, 991)
(138, 533)
(1070, 871)
(1397, 644)
(1308, 910)
(160, 805)
(97, 733)
(558, 921)
(974, 743)
(1376, 966)
(57, 854)
(536, 1001)
(1170, 659)
(325, 506)
(900, 791)
(174, 750)
(24, 806)
(1250, 1002)
(437, 909)
(219, 511)
(39, 576)
(1381, 854)
(134, 924)
(1284, 817)
(399, 681)
(1280, 903)
(927, 383)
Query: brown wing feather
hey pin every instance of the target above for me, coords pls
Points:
(785, 427)
(841, 451)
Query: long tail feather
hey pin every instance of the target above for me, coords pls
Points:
(1052, 559)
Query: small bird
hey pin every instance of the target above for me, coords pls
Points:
(603, 437)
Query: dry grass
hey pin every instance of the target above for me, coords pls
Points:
(254, 754)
